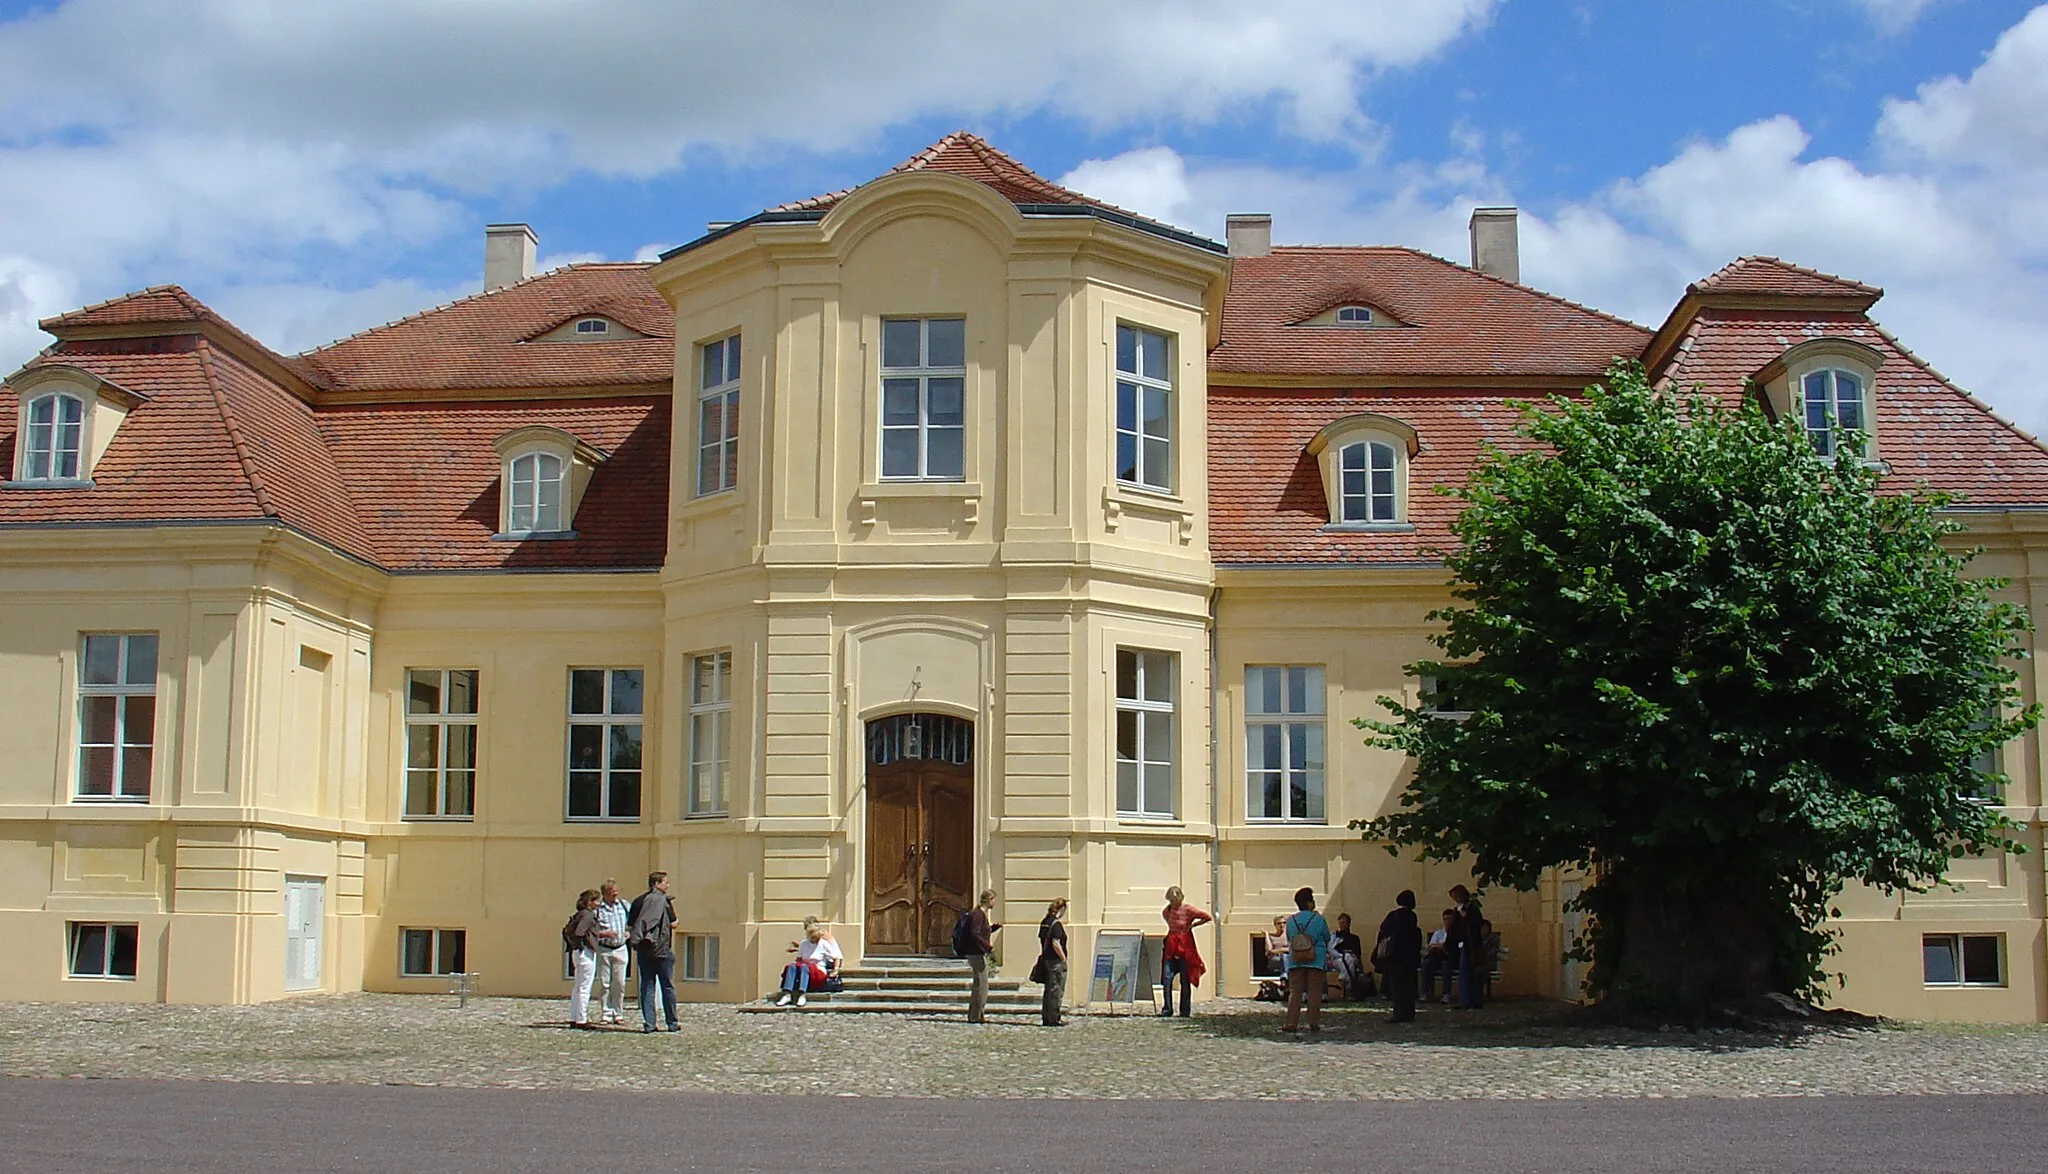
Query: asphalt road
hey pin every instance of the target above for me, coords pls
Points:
(56, 1126)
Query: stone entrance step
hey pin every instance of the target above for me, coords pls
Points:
(912, 985)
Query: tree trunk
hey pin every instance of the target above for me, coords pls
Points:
(1690, 953)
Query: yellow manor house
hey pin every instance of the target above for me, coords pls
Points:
(952, 531)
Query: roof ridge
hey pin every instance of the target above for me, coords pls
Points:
(1765, 258)
(170, 287)
(1528, 289)
(1952, 385)
(416, 315)
(233, 423)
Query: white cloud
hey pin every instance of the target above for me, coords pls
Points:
(1893, 17)
(224, 142)
(1947, 219)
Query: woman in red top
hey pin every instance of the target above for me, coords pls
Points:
(1179, 955)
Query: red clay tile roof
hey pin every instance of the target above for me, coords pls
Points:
(175, 458)
(427, 481)
(1457, 322)
(158, 303)
(970, 157)
(480, 341)
(1770, 276)
(1926, 429)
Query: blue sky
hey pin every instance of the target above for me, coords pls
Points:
(313, 168)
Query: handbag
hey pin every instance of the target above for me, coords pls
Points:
(1301, 948)
(1038, 971)
(1382, 951)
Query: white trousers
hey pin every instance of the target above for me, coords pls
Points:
(610, 987)
(579, 994)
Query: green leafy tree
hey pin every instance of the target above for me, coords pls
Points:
(1722, 675)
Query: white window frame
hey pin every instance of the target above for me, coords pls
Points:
(1955, 941)
(697, 961)
(441, 725)
(436, 936)
(532, 504)
(110, 933)
(704, 791)
(924, 375)
(1354, 316)
(718, 447)
(1145, 713)
(62, 463)
(1824, 434)
(592, 326)
(610, 722)
(1376, 456)
(122, 691)
(1152, 455)
(1302, 714)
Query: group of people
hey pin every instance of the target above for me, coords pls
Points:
(1308, 954)
(1310, 958)
(598, 937)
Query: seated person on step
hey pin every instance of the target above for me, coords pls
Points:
(817, 959)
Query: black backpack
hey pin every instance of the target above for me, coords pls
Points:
(570, 942)
(963, 936)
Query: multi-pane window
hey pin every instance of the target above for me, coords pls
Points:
(440, 743)
(604, 743)
(1354, 315)
(95, 950)
(1283, 742)
(1832, 400)
(593, 326)
(924, 398)
(700, 958)
(1963, 959)
(1368, 470)
(718, 417)
(424, 953)
(710, 732)
(52, 441)
(1144, 408)
(116, 716)
(1144, 733)
(534, 505)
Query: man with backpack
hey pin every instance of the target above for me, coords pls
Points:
(651, 931)
(971, 941)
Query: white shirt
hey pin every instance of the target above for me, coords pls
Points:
(824, 952)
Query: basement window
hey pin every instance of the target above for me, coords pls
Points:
(101, 951)
(700, 958)
(428, 953)
(1963, 959)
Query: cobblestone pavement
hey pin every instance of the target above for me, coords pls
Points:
(1229, 1049)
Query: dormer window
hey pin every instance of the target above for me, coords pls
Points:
(1354, 316)
(1365, 470)
(1828, 386)
(53, 439)
(535, 505)
(589, 326)
(1831, 400)
(546, 471)
(64, 419)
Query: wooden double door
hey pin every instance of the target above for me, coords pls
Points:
(920, 854)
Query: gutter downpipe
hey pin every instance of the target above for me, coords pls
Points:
(1215, 791)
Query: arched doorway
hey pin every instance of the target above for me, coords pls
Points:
(920, 780)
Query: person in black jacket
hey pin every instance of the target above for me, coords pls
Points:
(1468, 939)
(1399, 948)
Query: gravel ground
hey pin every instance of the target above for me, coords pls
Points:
(1230, 1049)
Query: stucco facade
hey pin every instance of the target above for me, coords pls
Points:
(404, 705)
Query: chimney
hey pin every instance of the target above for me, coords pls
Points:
(1496, 249)
(1249, 234)
(508, 254)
